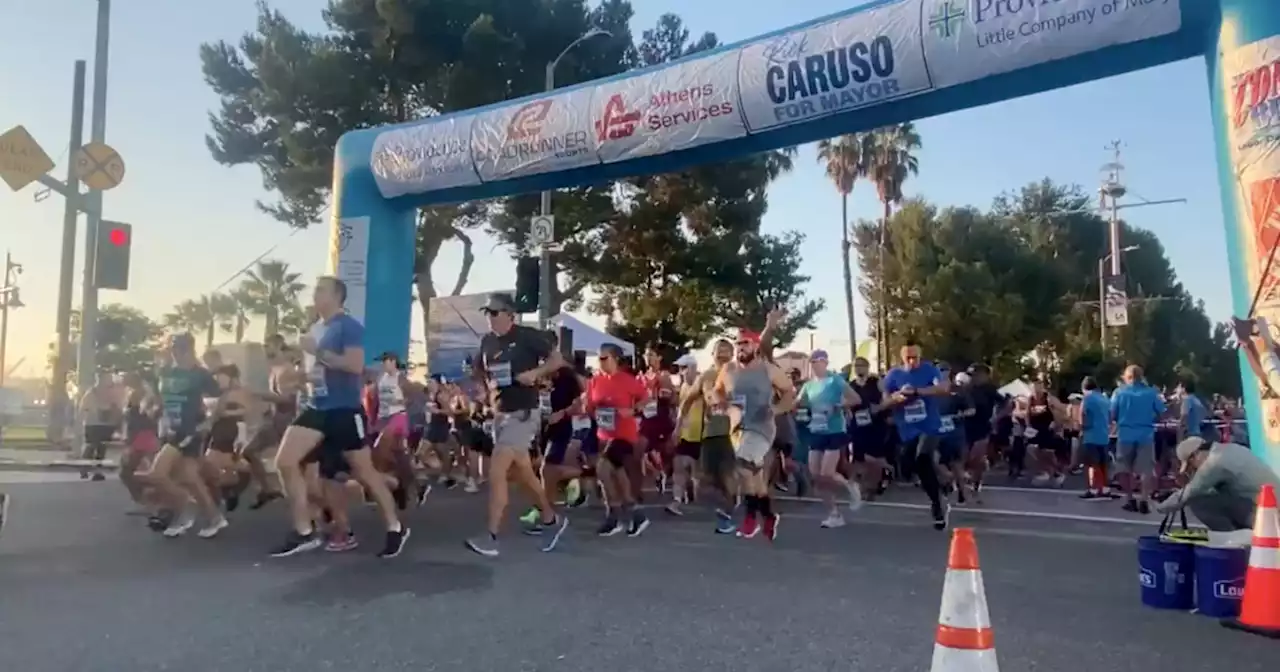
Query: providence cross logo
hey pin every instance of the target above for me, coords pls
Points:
(947, 18)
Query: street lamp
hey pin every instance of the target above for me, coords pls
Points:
(8, 299)
(1102, 288)
(544, 283)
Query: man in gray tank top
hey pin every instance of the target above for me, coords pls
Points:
(748, 388)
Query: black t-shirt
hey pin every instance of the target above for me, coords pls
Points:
(182, 390)
(986, 399)
(505, 357)
(565, 388)
(869, 394)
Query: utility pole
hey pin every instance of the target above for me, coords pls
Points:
(86, 362)
(58, 401)
(8, 299)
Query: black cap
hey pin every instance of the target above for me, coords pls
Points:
(500, 303)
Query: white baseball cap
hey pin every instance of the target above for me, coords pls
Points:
(687, 360)
(963, 378)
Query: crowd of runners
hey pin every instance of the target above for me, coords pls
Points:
(523, 414)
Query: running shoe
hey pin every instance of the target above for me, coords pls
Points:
(610, 527)
(771, 526)
(212, 529)
(530, 517)
(855, 496)
(833, 521)
(639, 523)
(557, 530)
(394, 543)
(180, 526)
(750, 527)
(297, 543)
(485, 544)
(572, 491)
(265, 498)
(941, 515)
(341, 543)
(724, 523)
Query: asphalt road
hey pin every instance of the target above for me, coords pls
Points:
(84, 587)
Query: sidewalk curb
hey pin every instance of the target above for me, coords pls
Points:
(57, 465)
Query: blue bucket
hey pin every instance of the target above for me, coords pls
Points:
(1220, 580)
(1166, 573)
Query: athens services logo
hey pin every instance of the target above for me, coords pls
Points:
(617, 122)
(947, 18)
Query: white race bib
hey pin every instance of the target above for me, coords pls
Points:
(488, 427)
(651, 409)
(915, 411)
(818, 421)
(607, 418)
(948, 424)
(862, 418)
(544, 403)
(501, 372)
(802, 415)
(581, 422)
(1029, 433)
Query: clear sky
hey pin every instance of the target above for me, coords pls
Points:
(195, 223)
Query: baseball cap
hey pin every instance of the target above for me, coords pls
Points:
(1189, 447)
(963, 378)
(499, 303)
(818, 356)
(687, 360)
(748, 336)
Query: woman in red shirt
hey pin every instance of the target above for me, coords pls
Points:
(613, 397)
(658, 420)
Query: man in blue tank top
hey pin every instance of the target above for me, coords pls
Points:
(913, 389)
(332, 428)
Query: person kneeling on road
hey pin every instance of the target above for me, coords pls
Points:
(1223, 491)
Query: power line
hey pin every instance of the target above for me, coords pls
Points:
(255, 260)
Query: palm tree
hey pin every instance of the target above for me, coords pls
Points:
(186, 316)
(243, 303)
(273, 287)
(887, 153)
(843, 159)
(294, 319)
(224, 313)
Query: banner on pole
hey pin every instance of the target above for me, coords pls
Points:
(1115, 304)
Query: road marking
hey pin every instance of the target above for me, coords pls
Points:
(985, 511)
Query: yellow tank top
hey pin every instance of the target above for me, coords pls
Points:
(691, 423)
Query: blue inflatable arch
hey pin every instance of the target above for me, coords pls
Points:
(882, 63)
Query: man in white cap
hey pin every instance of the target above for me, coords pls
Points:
(689, 434)
(1223, 491)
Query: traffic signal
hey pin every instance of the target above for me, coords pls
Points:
(111, 267)
(528, 283)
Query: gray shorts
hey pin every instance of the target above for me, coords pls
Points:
(754, 448)
(1136, 458)
(516, 431)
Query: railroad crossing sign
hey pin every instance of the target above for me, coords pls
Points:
(542, 230)
(22, 159)
(99, 166)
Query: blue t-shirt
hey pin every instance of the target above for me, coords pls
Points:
(1193, 414)
(327, 388)
(1136, 409)
(1095, 416)
(823, 400)
(919, 415)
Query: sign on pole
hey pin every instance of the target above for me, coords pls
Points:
(542, 230)
(1115, 309)
(22, 159)
(99, 166)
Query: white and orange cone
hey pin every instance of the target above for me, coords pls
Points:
(964, 641)
(1260, 608)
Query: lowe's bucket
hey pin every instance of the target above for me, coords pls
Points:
(1220, 580)
(1166, 573)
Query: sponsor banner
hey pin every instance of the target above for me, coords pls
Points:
(967, 40)
(543, 136)
(349, 260)
(668, 110)
(864, 59)
(1115, 309)
(429, 156)
(1251, 78)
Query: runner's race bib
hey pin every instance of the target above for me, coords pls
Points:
(651, 409)
(544, 403)
(818, 421)
(948, 424)
(914, 411)
(607, 418)
(1029, 433)
(316, 385)
(488, 427)
(501, 372)
(862, 418)
(581, 422)
(802, 414)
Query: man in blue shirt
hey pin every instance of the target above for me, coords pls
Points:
(332, 429)
(1136, 407)
(1095, 437)
(1193, 415)
(913, 388)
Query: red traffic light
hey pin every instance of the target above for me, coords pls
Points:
(118, 237)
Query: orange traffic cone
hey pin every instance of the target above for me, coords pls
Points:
(1260, 608)
(964, 642)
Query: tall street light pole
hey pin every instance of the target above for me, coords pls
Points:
(1102, 290)
(86, 366)
(544, 265)
(8, 299)
(58, 402)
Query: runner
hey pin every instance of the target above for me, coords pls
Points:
(913, 388)
(392, 429)
(872, 445)
(141, 423)
(1045, 445)
(438, 453)
(332, 426)
(175, 474)
(515, 357)
(100, 412)
(237, 415)
(1095, 437)
(824, 398)
(613, 397)
(657, 424)
(284, 381)
(691, 418)
(718, 461)
(980, 426)
(953, 446)
(747, 388)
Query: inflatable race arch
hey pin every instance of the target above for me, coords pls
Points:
(885, 62)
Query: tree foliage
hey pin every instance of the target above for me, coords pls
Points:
(1023, 278)
(128, 340)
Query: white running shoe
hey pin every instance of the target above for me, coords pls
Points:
(180, 526)
(212, 529)
(833, 521)
(855, 496)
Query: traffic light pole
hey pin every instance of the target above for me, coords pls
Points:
(86, 366)
(544, 265)
(66, 279)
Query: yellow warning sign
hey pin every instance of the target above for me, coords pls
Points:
(22, 159)
(99, 166)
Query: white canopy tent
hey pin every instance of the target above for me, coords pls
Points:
(588, 338)
(1016, 389)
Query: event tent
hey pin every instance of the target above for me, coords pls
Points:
(588, 338)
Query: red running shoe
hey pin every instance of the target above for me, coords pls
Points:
(771, 526)
(750, 527)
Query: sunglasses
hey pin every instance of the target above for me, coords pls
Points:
(605, 358)
(744, 343)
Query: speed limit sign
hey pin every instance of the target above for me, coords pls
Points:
(542, 230)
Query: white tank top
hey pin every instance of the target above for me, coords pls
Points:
(390, 396)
